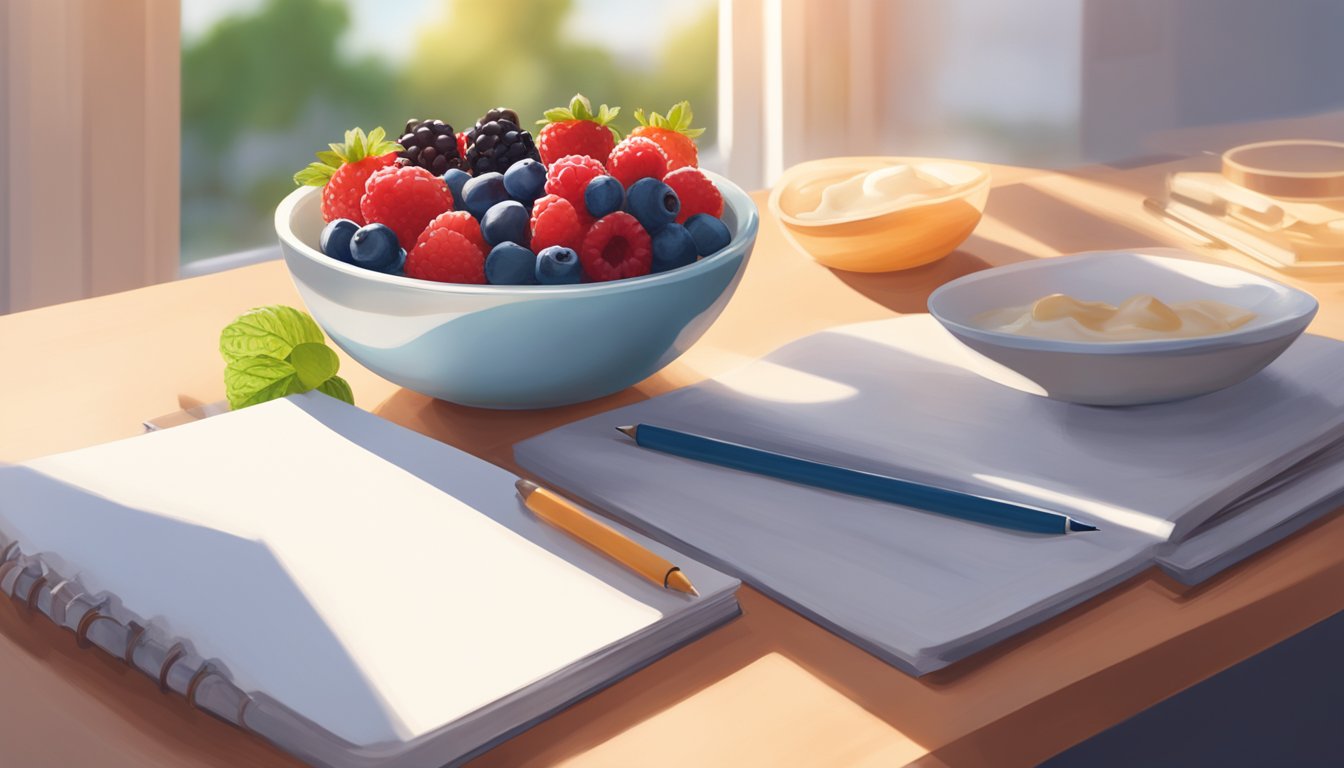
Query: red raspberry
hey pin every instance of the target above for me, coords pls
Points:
(406, 199)
(462, 223)
(636, 157)
(341, 195)
(616, 247)
(461, 143)
(555, 222)
(696, 192)
(568, 177)
(446, 256)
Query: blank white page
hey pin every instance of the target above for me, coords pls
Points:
(360, 596)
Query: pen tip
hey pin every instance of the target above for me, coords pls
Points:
(628, 431)
(1077, 527)
(525, 487)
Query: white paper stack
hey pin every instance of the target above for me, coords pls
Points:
(1193, 486)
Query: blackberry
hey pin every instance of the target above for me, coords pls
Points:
(430, 144)
(496, 142)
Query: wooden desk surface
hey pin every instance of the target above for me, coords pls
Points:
(771, 688)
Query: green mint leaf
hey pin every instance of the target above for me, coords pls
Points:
(255, 380)
(338, 388)
(314, 363)
(272, 331)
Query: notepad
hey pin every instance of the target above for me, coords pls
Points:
(1192, 486)
(386, 598)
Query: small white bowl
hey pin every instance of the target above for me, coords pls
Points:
(1126, 372)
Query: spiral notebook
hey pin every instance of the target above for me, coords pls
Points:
(356, 593)
(1191, 486)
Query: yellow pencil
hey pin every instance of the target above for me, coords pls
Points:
(612, 543)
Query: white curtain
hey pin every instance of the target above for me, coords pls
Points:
(89, 137)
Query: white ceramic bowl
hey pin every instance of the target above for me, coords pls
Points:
(512, 346)
(1126, 372)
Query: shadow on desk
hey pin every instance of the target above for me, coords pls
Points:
(1280, 707)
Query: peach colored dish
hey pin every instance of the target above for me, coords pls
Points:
(866, 214)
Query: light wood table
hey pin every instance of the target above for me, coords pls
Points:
(769, 689)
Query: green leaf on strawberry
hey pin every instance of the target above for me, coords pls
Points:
(678, 119)
(357, 146)
(580, 108)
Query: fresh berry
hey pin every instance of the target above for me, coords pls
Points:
(577, 130)
(525, 181)
(335, 241)
(455, 178)
(602, 196)
(462, 142)
(510, 264)
(557, 265)
(697, 193)
(636, 158)
(462, 223)
(432, 145)
(497, 142)
(673, 134)
(446, 256)
(375, 246)
(653, 203)
(483, 191)
(709, 233)
(555, 222)
(405, 199)
(345, 168)
(568, 177)
(506, 221)
(672, 247)
(615, 247)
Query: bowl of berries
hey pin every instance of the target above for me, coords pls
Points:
(493, 270)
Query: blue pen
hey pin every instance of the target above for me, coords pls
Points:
(853, 482)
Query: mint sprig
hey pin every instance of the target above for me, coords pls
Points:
(274, 351)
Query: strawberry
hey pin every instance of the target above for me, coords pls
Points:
(577, 130)
(344, 170)
(673, 134)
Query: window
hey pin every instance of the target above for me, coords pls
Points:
(265, 83)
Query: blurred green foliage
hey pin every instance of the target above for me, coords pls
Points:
(262, 90)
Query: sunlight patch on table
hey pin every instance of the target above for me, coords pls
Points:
(771, 712)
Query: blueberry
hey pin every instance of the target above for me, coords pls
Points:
(483, 191)
(510, 264)
(525, 180)
(558, 265)
(672, 248)
(709, 233)
(336, 239)
(455, 178)
(506, 221)
(653, 203)
(603, 195)
(375, 247)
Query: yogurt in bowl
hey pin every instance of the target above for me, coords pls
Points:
(880, 214)
(1259, 319)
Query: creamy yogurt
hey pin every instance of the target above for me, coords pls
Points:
(888, 188)
(1139, 317)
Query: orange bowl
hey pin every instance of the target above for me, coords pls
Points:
(882, 238)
